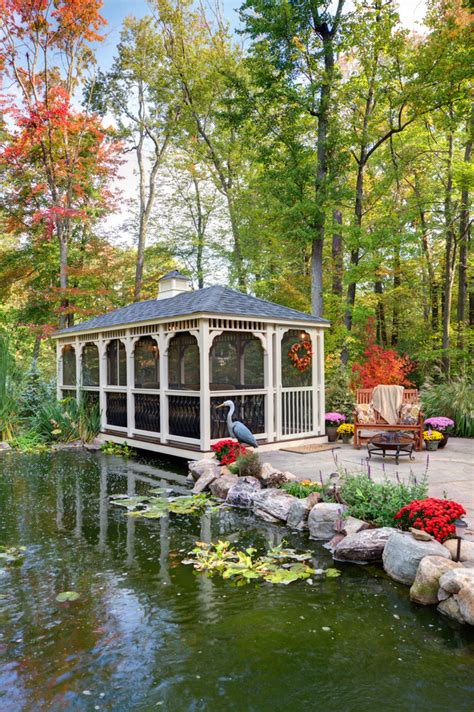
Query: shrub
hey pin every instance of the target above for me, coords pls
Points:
(455, 399)
(227, 451)
(339, 396)
(382, 366)
(247, 465)
(378, 503)
(435, 516)
(66, 420)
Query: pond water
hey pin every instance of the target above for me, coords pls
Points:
(148, 633)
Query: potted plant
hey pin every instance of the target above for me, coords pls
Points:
(442, 425)
(346, 431)
(333, 421)
(432, 439)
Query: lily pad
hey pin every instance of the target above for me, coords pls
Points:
(67, 596)
(332, 573)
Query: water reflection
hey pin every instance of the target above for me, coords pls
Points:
(147, 631)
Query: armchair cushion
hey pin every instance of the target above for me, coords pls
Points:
(365, 414)
(409, 413)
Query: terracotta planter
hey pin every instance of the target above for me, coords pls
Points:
(432, 445)
(331, 432)
(442, 443)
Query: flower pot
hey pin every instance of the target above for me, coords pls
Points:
(431, 444)
(346, 438)
(331, 432)
(442, 443)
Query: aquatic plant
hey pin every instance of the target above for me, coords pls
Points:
(66, 420)
(9, 390)
(120, 449)
(12, 555)
(278, 566)
(155, 505)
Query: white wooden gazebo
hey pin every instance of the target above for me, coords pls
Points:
(159, 368)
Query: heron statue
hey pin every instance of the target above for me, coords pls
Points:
(236, 429)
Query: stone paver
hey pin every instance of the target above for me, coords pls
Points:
(450, 470)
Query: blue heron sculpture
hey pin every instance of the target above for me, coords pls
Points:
(236, 429)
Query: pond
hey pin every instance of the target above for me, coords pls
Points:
(148, 632)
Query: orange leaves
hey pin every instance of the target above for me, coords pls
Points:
(382, 366)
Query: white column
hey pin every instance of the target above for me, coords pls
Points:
(163, 347)
(315, 391)
(130, 349)
(59, 369)
(102, 346)
(322, 387)
(269, 383)
(205, 406)
(78, 352)
(278, 384)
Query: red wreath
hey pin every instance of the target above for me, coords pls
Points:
(301, 362)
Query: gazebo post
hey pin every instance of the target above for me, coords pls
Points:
(269, 371)
(205, 391)
(59, 361)
(315, 380)
(321, 384)
(102, 345)
(163, 342)
(77, 353)
(130, 363)
(280, 330)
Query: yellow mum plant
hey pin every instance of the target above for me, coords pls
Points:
(430, 435)
(345, 429)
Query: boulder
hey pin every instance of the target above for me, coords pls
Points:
(243, 492)
(459, 605)
(197, 468)
(266, 516)
(275, 502)
(363, 546)
(93, 444)
(202, 484)
(5, 446)
(323, 520)
(298, 514)
(312, 499)
(402, 555)
(420, 535)
(221, 486)
(270, 476)
(466, 551)
(425, 587)
(289, 477)
(351, 525)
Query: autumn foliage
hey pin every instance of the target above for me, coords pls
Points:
(382, 366)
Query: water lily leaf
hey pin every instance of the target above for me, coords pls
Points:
(130, 502)
(332, 573)
(67, 596)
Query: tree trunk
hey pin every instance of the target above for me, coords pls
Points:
(396, 300)
(337, 255)
(450, 259)
(65, 319)
(321, 187)
(464, 239)
(200, 231)
(380, 312)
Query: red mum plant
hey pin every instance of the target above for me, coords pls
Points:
(435, 516)
(227, 451)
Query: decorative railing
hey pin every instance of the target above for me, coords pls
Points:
(147, 412)
(184, 416)
(116, 409)
(297, 411)
(250, 409)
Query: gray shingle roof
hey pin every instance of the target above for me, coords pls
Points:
(211, 300)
